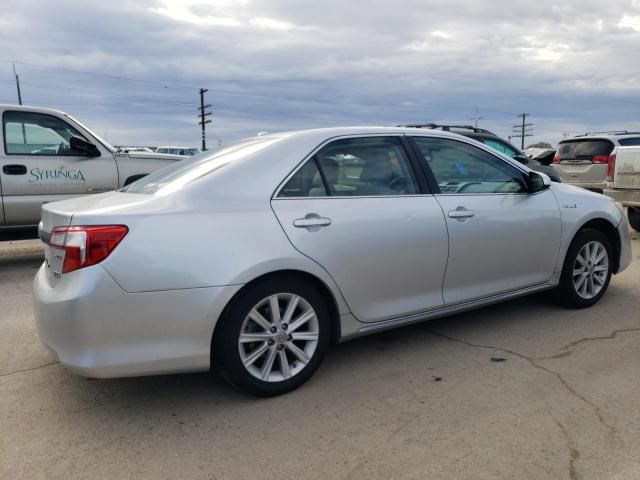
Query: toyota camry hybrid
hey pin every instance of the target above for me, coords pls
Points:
(255, 258)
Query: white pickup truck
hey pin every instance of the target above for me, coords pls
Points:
(47, 155)
(623, 181)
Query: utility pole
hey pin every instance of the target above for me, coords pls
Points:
(203, 117)
(476, 118)
(17, 84)
(523, 130)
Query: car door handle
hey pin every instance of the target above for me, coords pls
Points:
(312, 220)
(461, 213)
(14, 170)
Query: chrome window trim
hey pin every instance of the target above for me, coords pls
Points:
(320, 147)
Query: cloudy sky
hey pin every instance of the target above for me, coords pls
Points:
(132, 69)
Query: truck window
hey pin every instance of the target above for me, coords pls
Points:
(30, 133)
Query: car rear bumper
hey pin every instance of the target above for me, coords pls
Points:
(98, 330)
(628, 198)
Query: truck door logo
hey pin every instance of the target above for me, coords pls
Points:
(61, 173)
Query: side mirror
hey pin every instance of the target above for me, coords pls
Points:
(537, 182)
(523, 159)
(81, 145)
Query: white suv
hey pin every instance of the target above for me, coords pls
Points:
(583, 160)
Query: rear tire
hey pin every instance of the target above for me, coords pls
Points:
(587, 270)
(633, 214)
(267, 354)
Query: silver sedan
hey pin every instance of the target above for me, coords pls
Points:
(255, 258)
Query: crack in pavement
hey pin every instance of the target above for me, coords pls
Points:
(574, 454)
(567, 348)
(532, 362)
(28, 369)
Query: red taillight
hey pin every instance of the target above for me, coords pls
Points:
(611, 167)
(85, 245)
(556, 158)
(600, 159)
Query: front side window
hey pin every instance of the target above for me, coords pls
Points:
(365, 166)
(462, 168)
(29, 133)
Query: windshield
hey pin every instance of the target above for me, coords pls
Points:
(106, 144)
(499, 146)
(172, 178)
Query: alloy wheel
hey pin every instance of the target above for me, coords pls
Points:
(590, 270)
(278, 337)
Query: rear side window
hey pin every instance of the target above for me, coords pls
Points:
(629, 142)
(370, 166)
(307, 182)
(583, 149)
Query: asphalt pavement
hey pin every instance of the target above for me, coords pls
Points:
(520, 390)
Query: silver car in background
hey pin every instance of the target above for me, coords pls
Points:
(585, 160)
(255, 258)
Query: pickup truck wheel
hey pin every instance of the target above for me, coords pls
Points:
(634, 218)
(587, 270)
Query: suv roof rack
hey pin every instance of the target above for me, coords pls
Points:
(446, 128)
(609, 132)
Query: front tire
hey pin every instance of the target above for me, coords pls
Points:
(587, 270)
(633, 214)
(272, 337)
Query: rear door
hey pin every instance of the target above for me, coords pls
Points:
(37, 165)
(501, 238)
(357, 208)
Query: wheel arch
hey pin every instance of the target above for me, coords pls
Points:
(320, 285)
(134, 178)
(610, 231)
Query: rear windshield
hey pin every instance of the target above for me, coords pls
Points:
(629, 142)
(169, 179)
(584, 149)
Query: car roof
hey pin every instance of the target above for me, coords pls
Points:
(612, 136)
(29, 108)
(330, 132)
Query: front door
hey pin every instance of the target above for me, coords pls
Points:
(356, 209)
(501, 238)
(38, 165)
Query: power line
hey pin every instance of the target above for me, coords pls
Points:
(522, 130)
